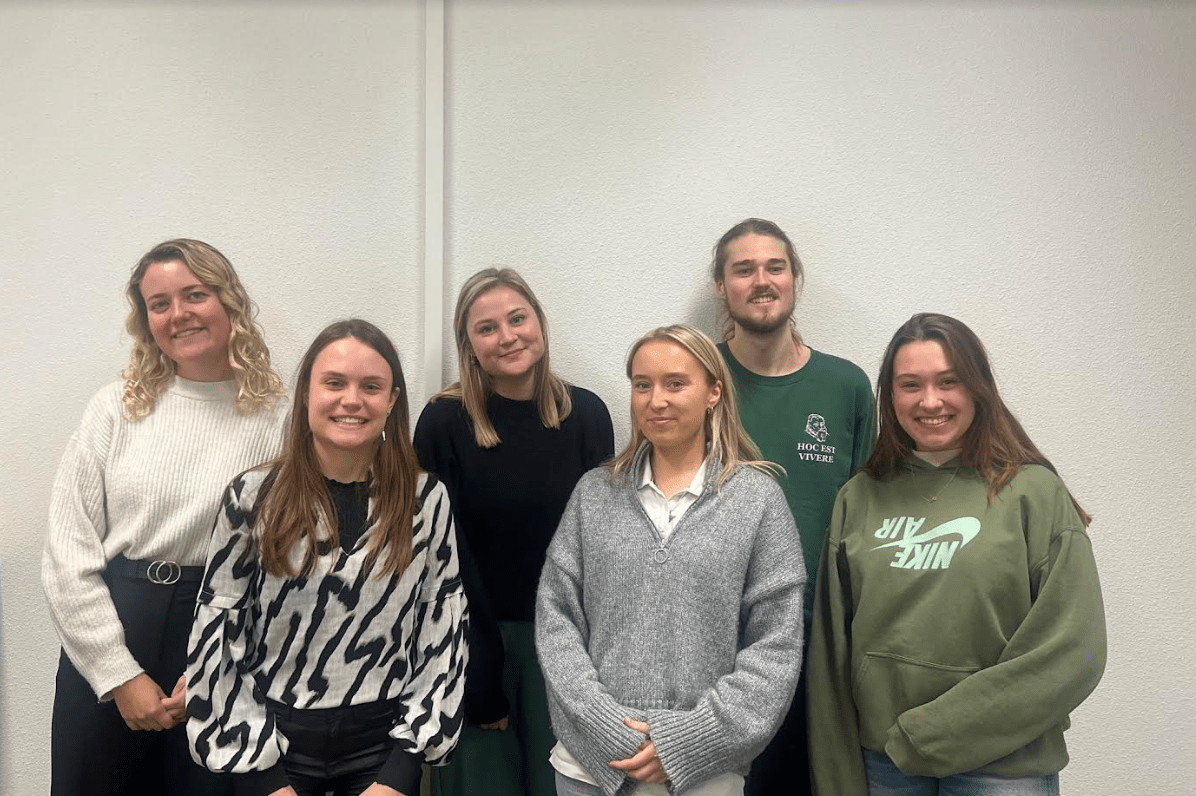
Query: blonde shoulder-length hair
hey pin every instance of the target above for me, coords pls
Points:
(551, 393)
(729, 444)
(150, 371)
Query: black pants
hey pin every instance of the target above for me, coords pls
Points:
(784, 765)
(92, 750)
(335, 750)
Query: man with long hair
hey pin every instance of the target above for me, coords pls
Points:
(810, 412)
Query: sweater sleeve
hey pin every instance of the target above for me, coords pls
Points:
(865, 425)
(585, 716)
(1051, 664)
(431, 722)
(74, 559)
(836, 762)
(230, 728)
(484, 702)
(733, 722)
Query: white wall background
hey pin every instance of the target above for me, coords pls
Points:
(1029, 169)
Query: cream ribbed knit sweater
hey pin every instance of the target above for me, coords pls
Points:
(149, 489)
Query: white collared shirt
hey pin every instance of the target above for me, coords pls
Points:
(665, 512)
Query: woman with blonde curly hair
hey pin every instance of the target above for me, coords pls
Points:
(131, 514)
(509, 440)
(669, 614)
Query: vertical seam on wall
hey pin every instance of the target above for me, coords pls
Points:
(433, 243)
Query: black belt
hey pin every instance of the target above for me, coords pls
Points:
(159, 571)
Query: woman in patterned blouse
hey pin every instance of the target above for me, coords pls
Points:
(328, 649)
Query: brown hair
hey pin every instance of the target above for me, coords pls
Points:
(475, 385)
(150, 371)
(729, 443)
(298, 498)
(995, 445)
(718, 265)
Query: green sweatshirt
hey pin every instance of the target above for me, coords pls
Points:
(951, 634)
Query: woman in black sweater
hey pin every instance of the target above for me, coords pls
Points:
(509, 441)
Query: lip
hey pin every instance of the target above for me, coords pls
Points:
(934, 421)
(186, 333)
(508, 354)
(350, 421)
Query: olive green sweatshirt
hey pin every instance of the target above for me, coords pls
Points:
(952, 634)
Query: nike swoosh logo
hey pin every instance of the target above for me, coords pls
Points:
(966, 527)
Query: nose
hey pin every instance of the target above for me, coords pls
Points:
(506, 335)
(179, 309)
(931, 398)
(351, 397)
(656, 399)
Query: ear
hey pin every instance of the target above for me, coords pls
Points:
(720, 289)
(716, 393)
(394, 396)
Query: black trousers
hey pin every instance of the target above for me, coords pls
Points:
(92, 750)
(335, 750)
(784, 765)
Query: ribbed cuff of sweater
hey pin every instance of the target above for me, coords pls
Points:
(689, 744)
(608, 739)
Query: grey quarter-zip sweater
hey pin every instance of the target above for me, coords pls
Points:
(699, 635)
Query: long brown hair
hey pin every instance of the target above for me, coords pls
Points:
(475, 384)
(150, 371)
(299, 498)
(718, 265)
(729, 443)
(995, 445)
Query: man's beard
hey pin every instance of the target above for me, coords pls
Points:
(762, 327)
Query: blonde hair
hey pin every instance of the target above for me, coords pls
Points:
(729, 443)
(150, 371)
(475, 385)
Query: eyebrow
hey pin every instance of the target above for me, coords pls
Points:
(183, 289)
(750, 261)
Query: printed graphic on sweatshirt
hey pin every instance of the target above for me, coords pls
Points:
(816, 451)
(931, 549)
(816, 427)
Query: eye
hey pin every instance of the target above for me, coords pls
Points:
(517, 319)
(741, 270)
(907, 386)
(778, 268)
(373, 386)
(949, 381)
(158, 305)
(485, 328)
(333, 383)
(197, 295)
(675, 384)
(639, 385)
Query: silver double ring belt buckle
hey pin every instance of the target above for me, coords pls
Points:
(163, 573)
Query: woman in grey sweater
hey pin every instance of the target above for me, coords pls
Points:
(669, 614)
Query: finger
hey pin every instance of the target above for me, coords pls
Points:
(638, 726)
(638, 760)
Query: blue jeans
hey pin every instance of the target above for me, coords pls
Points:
(567, 786)
(885, 779)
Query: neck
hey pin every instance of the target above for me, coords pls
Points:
(344, 466)
(517, 388)
(774, 353)
(674, 467)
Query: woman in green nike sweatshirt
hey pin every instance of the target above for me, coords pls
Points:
(958, 616)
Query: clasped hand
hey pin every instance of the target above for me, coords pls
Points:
(644, 765)
(144, 706)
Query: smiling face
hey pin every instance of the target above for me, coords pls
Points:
(758, 284)
(504, 333)
(348, 398)
(931, 403)
(670, 393)
(187, 321)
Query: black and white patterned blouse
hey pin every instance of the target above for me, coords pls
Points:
(334, 639)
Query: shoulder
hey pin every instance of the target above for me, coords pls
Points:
(105, 412)
(839, 368)
(596, 485)
(587, 404)
(441, 412)
(1036, 481)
